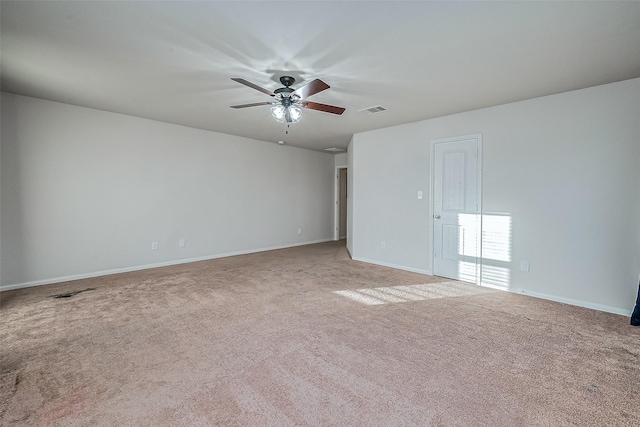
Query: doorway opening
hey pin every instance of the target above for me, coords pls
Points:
(340, 216)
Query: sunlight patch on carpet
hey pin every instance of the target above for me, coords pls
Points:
(405, 293)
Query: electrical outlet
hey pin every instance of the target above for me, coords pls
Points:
(525, 266)
(182, 243)
(384, 245)
(154, 246)
(300, 230)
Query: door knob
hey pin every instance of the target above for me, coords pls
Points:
(436, 216)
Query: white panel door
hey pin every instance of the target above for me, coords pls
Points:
(456, 209)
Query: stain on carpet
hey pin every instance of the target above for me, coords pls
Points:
(71, 294)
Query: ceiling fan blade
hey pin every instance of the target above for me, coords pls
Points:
(251, 85)
(255, 104)
(323, 107)
(311, 88)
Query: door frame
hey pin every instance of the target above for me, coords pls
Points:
(336, 203)
(432, 154)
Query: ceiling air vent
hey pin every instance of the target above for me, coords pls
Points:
(373, 110)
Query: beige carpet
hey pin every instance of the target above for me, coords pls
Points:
(308, 337)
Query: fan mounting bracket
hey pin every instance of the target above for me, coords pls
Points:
(287, 80)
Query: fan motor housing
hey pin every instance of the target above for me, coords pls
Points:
(284, 90)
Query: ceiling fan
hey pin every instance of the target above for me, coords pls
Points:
(288, 101)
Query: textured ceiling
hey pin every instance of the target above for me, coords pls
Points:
(173, 61)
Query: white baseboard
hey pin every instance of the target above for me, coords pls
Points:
(148, 266)
(570, 301)
(386, 264)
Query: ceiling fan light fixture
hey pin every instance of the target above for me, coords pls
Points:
(278, 112)
(288, 103)
(289, 114)
(295, 113)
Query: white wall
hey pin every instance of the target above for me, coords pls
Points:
(564, 168)
(86, 191)
(0, 192)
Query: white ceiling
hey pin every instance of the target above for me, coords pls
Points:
(172, 61)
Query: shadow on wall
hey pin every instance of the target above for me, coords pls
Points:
(496, 248)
